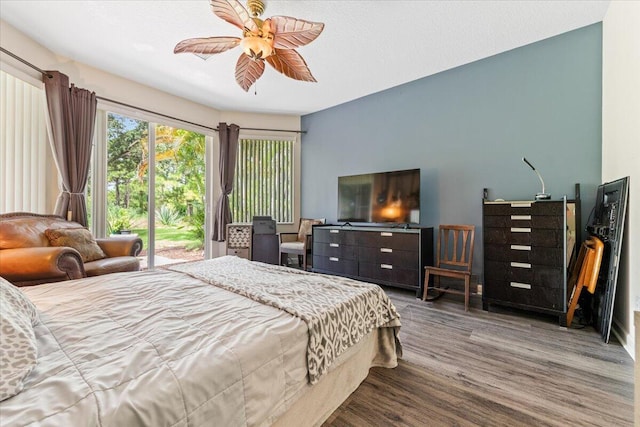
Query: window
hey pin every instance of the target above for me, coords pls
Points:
(155, 190)
(263, 182)
(26, 163)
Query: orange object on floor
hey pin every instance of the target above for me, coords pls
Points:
(585, 272)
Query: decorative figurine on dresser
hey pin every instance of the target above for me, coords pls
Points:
(528, 246)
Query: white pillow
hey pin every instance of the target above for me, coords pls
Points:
(18, 351)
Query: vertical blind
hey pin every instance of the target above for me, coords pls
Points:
(24, 149)
(263, 182)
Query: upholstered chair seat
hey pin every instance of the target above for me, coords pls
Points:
(292, 246)
(111, 265)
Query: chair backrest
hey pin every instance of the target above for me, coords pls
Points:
(306, 225)
(26, 229)
(455, 247)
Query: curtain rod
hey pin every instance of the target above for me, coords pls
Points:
(29, 64)
(44, 73)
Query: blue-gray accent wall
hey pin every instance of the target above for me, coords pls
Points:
(467, 129)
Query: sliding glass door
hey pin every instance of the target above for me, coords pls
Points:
(179, 195)
(154, 177)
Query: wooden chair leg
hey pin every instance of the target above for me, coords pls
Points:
(467, 283)
(426, 286)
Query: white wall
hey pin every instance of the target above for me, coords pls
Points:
(119, 89)
(621, 147)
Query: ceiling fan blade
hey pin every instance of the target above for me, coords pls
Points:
(234, 13)
(290, 33)
(291, 64)
(206, 46)
(248, 71)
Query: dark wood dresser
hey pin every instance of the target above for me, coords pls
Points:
(387, 256)
(526, 244)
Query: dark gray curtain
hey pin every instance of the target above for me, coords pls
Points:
(228, 136)
(72, 114)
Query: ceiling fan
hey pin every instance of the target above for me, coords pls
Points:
(273, 40)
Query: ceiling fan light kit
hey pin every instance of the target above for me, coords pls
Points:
(273, 41)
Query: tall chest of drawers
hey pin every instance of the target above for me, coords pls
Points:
(387, 256)
(525, 254)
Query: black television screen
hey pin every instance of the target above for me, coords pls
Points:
(380, 197)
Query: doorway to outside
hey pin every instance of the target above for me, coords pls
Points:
(156, 190)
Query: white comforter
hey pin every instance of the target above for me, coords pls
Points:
(161, 349)
(157, 349)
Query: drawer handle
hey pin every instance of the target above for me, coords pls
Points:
(521, 247)
(521, 205)
(334, 245)
(520, 285)
(520, 230)
(386, 250)
(334, 231)
(386, 266)
(520, 265)
(334, 259)
(386, 234)
(520, 217)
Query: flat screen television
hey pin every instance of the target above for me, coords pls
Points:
(382, 197)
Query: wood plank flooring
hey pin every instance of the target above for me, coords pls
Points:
(498, 368)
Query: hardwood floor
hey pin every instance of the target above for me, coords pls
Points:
(498, 368)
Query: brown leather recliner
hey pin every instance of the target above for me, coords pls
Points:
(27, 258)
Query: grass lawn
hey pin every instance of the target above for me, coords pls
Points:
(172, 236)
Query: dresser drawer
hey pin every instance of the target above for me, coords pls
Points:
(389, 273)
(336, 250)
(545, 221)
(555, 208)
(239, 252)
(396, 257)
(525, 294)
(238, 236)
(335, 265)
(524, 236)
(542, 275)
(507, 221)
(531, 221)
(388, 239)
(334, 235)
(524, 253)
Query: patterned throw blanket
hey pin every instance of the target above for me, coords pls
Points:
(338, 311)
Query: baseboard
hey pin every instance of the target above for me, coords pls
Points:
(626, 339)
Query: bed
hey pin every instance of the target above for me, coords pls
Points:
(219, 342)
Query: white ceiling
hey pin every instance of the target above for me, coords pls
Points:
(366, 46)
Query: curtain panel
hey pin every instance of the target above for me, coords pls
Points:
(72, 114)
(228, 135)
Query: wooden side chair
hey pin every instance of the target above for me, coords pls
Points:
(585, 273)
(454, 259)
